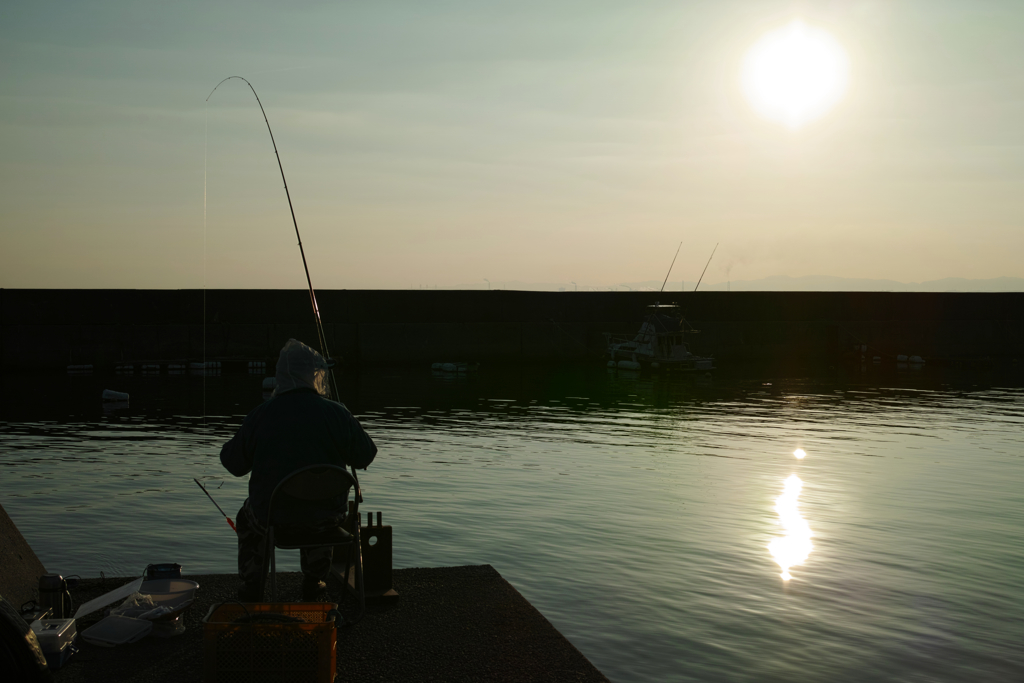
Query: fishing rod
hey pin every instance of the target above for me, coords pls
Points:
(312, 294)
(706, 266)
(670, 267)
(230, 523)
(291, 208)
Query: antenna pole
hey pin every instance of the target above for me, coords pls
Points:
(706, 266)
(670, 267)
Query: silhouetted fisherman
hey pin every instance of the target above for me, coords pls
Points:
(296, 428)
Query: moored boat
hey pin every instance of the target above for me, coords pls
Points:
(660, 343)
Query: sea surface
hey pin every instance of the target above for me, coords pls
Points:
(651, 519)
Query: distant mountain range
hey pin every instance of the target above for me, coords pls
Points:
(783, 283)
(827, 283)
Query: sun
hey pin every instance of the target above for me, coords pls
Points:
(795, 74)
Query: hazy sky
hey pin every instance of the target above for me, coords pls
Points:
(440, 143)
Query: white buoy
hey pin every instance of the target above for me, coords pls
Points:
(436, 366)
(902, 358)
(916, 359)
(628, 365)
(111, 395)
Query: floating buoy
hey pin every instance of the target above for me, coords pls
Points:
(902, 358)
(269, 383)
(436, 366)
(916, 359)
(611, 364)
(628, 365)
(111, 395)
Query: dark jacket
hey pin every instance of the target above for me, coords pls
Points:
(290, 431)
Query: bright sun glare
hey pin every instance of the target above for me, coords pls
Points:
(795, 74)
(795, 546)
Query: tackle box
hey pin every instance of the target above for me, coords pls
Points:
(270, 642)
(56, 639)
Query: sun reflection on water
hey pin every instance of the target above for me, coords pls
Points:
(795, 546)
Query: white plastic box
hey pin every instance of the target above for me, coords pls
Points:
(56, 639)
(115, 630)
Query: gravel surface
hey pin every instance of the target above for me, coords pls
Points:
(450, 624)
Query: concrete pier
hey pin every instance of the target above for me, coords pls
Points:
(451, 625)
(20, 569)
(52, 329)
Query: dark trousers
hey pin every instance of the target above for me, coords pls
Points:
(315, 562)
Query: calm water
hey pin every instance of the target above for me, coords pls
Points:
(636, 513)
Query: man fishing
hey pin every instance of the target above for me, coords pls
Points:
(296, 428)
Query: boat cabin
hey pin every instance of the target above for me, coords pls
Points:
(660, 342)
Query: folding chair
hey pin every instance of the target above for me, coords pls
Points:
(315, 483)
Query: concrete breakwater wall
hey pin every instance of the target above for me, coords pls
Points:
(51, 328)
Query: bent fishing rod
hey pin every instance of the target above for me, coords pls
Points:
(312, 294)
(302, 252)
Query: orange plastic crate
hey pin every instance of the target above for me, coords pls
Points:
(292, 652)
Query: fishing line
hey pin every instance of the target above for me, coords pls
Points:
(309, 282)
(206, 156)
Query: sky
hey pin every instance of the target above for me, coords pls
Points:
(445, 143)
